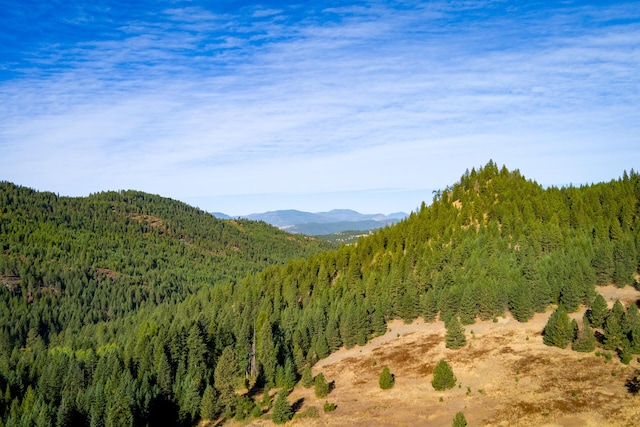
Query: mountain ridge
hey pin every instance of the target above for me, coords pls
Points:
(134, 307)
(320, 223)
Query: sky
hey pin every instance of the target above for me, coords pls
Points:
(242, 107)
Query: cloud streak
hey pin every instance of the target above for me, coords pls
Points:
(285, 106)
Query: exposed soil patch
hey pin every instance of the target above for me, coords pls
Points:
(105, 272)
(154, 223)
(11, 282)
(505, 376)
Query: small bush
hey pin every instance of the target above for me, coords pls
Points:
(386, 379)
(459, 420)
(244, 408)
(256, 412)
(625, 355)
(310, 412)
(329, 407)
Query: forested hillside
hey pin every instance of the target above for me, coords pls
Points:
(491, 243)
(69, 263)
(78, 261)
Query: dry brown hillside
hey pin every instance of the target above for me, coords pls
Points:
(506, 377)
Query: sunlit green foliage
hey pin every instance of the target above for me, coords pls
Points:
(443, 377)
(120, 307)
(386, 379)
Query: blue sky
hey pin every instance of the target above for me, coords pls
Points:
(243, 107)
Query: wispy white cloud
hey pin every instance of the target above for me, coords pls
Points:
(219, 108)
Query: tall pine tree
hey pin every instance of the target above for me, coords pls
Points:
(558, 331)
(454, 337)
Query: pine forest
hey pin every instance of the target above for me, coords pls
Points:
(130, 309)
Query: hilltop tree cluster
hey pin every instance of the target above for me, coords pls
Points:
(175, 316)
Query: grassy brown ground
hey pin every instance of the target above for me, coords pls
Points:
(506, 377)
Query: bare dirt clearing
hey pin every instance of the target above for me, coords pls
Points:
(505, 375)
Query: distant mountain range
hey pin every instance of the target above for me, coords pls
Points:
(321, 223)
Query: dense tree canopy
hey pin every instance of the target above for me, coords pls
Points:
(120, 307)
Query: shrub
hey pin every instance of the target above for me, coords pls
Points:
(386, 379)
(310, 412)
(329, 407)
(443, 377)
(459, 420)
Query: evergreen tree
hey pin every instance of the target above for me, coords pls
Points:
(386, 379)
(44, 416)
(613, 333)
(521, 302)
(598, 312)
(119, 412)
(603, 262)
(321, 346)
(188, 398)
(558, 331)
(454, 337)
(586, 340)
(267, 352)
(281, 410)
(625, 261)
(378, 324)
(334, 340)
(468, 306)
(98, 406)
(443, 377)
(429, 306)
(634, 340)
(320, 386)
(624, 353)
(409, 305)
(570, 296)
(66, 412)
(289, 379)
(209, 408)
(631, 319)
(459, 420)
(573, 327)
(225, 377)
(307, 376)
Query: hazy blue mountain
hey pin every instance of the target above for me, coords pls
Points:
(284, 218)
(316, 229)
(221, 215)
(337, 215)
(321, 223)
